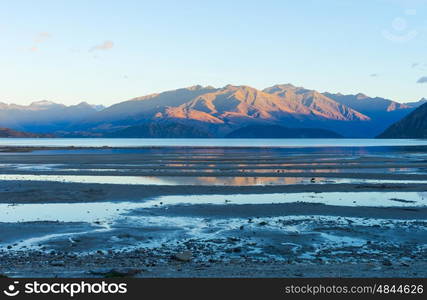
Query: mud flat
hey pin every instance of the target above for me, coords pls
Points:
(157, 245)
(213, 212)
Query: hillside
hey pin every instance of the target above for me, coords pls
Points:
(412, 126)
(275, 131)
(156, 130)
(10, 133)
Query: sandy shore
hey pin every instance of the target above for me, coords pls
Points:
(204, 240)
(21, 192)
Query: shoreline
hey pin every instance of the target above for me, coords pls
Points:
(26, 148)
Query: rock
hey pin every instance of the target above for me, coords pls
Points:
(263, 223)
(185, 256)
(387, 262)
(233, 239)
(115, 273)
(57, 263)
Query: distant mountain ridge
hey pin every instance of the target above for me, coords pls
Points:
(212, 112)
(44, 116)
(417, 103)
(10, 133)
(412, 126)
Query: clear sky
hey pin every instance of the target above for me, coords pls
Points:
(107, 51)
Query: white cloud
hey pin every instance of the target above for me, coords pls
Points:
(42, 37)
(107, 45)
(39, 39)
(419, 66)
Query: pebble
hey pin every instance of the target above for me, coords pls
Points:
(387, 262)
(185, 256)
(57, 263)
(111, 273)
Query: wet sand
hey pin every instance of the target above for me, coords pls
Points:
(222, 240)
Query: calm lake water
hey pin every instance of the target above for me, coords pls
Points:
(95, 142)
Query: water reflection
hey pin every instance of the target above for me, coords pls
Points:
(161, 180)
(199, 180)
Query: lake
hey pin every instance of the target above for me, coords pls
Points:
(100, 142)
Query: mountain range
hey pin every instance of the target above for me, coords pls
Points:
(199, 111)
(44, 116)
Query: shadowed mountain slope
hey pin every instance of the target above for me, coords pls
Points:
(10, 133)
(412, 126)
(275, 131)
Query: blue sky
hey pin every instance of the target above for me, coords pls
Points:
(106, 51)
